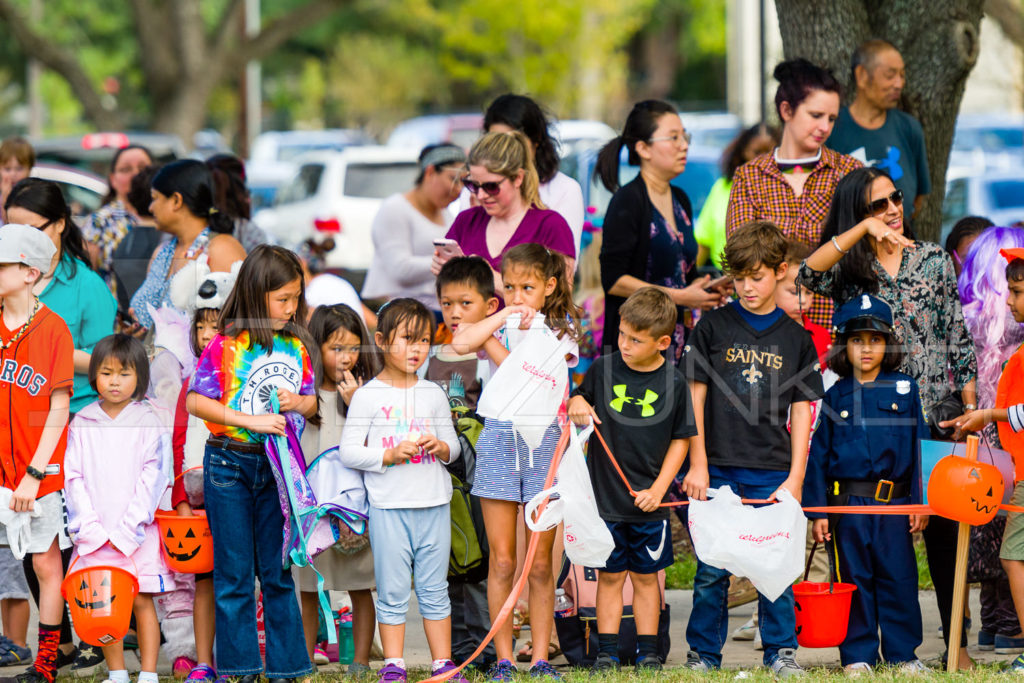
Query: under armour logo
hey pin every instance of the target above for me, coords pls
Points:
(647, 407)
(752, 374)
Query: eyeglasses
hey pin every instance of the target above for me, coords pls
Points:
(490, 188)
(880, 205)
(674, 139)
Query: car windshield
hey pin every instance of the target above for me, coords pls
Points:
(377, 181)
(292, 150)
(303, 185)
(989, 139)
(1007, 193)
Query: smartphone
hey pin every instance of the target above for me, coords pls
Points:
(448, 248)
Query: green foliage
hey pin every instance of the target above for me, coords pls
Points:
(680, 575)
(924, 575)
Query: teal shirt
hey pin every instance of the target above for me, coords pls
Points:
(88, 308)
(709, 230)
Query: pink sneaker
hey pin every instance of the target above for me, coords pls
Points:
(182, 667)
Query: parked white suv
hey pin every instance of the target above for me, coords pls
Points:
(337, 194)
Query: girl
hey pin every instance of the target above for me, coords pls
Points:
(201, 293)
(117, 468)
(348, 361)
(507, 473)
(399, 432)
(866, 452)
(259, 351)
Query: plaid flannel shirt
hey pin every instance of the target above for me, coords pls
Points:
(760, 192)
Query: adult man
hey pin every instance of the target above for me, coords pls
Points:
(873, 130)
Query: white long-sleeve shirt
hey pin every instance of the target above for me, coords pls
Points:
(381, 417)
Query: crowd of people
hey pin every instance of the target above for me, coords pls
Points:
(829, 343)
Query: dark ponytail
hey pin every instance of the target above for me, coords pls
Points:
(640, 126)
(194, 182)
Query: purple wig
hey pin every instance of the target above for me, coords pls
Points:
(983, 290)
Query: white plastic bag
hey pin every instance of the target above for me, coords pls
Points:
(588, 542)
(529, 385)
(765, 544)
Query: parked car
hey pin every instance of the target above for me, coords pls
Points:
(416, 133)
(338, 194)
(83, 191)
(94, 151)
(289, 145)
(574, 135)
(988, 141)
(711, 129)
(997, 195)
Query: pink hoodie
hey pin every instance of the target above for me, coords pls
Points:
(116, 472)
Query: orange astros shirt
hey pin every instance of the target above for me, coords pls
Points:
(40, 362)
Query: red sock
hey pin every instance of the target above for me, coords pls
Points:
(46, 654)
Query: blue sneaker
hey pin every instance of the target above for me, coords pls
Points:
(503, 671)
(201, 673)
(13, 655)
(986, 641)
(1004, 645)
(1017, 665)
(543, 669)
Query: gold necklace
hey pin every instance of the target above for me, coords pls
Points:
(21, 330)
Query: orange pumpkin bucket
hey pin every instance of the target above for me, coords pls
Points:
(186, 540)
(822, 608)
(100, 599)
(965, 490)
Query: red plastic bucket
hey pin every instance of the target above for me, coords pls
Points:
(822, 617)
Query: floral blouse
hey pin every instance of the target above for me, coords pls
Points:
(106, 228)
(670, 257)
(927, 317)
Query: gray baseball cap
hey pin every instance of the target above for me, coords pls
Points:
(25, 244)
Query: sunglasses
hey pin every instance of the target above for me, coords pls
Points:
(490, 188)
(880, 205)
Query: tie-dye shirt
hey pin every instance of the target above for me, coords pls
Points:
(243, 379)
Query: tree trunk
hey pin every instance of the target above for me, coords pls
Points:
(939, 43)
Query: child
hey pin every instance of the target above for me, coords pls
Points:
(642, 404)
(201, 293)
(866, 451)
(507, 473)
(465, 293)
(348, 362)
(259, 351)
(749, 367)
(399, 432)
(118, 467)
(36, 377)
(1009, 413)
(795, 300)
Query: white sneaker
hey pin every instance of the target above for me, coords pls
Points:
(856, 669)
(785, 665)
(914, 667)
(747, 631)
(694, 662)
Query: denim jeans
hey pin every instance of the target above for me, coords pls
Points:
(245, 518)
(709, 621)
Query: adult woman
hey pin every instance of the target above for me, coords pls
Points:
(503, 179)
(709, 230)
(183, 206)
(407, 224)
(75, 293)
(648, 231)
(793, 186)
(866, 248)
(16, 161)
(558, 191)
(107, 227)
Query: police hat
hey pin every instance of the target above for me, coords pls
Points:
(866, 312)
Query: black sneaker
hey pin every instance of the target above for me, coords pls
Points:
(30, 675)
(649, 663)
(66, 658)
(605, 663)
(87, 662)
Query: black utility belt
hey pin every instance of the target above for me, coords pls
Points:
(230, 444)
(882, 490)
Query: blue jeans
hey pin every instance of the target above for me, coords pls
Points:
(245, 517)
(709, 621)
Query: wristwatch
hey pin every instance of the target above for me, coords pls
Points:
(969, 407)
(34, 473)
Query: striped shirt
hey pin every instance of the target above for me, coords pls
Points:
(760, 192)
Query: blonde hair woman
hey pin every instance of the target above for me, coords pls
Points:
(504, 181)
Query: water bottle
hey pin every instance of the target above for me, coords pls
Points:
(563, 604)
(346, 647)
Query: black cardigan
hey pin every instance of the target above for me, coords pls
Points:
(626, 243)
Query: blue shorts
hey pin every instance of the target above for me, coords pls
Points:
(640, 547)
(505, 468)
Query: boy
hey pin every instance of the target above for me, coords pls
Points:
(465, 292)
(795, 300)
(36, 376)
(642, 404)
(750, 367)
(1009, 412)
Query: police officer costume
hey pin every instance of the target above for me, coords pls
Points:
(866, 451)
